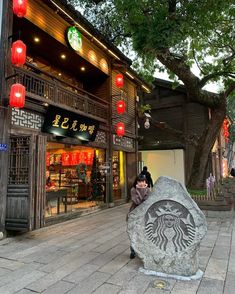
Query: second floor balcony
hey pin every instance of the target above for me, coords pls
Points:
(46, 88)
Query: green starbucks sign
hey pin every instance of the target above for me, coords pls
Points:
(74, 38)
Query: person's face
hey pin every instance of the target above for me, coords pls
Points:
(141, 184)
(169, 221)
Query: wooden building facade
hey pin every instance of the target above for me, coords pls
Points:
(184, 119)
(62, 154)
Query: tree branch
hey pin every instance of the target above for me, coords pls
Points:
(230, 89)
(179, 67)
(213, 75)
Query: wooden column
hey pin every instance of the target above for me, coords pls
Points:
(5, 30)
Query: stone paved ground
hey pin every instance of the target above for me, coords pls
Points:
(91, 255)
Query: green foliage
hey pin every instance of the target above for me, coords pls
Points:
(145, 108)
(231, 114)
(197, 192)
(192, 29)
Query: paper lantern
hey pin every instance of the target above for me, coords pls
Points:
(17, 96)
(121, 107)
(20, 7)
(120, 129)
(119, 80)
(18, 53)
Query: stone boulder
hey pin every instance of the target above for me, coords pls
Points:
(166, 230)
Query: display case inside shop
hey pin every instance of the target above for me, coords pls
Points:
(72, 177)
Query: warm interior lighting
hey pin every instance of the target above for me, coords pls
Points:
(122, 171)
(63, 56)
(98, 41)
(145, 88)
(59, 74)
(111, 52)
(84, 30)
(83, 68)
(129, 75)
(36, 40)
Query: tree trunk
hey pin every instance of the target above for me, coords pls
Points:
(205, 144)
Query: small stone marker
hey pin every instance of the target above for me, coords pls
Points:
(166, 230)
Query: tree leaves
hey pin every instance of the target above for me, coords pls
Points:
(200, 31)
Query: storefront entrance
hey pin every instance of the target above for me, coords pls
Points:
(74, 180)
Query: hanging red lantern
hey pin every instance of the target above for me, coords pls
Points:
(121, 107)
(120, 129)
(18, 53)
(17, 96)
(119, 80)
(20, 7)
(225, 129)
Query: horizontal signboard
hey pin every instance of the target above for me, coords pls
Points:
(65, 123)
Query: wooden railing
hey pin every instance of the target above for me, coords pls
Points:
(42, 85)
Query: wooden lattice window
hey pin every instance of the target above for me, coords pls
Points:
(19, 160)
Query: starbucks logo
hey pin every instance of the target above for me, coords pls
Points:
(170, 226)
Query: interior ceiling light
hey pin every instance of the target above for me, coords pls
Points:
(83, 68)
(63, 56)
(84, 30)
(36, 40)
(59, 74)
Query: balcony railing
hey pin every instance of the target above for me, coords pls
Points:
(43, 86)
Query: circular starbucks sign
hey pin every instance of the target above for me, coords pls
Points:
(74, 38)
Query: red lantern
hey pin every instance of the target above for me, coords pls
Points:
(17, 96)
(120, 129)
(18, 53)
(20, 7)
(119, 80)
(121, 107)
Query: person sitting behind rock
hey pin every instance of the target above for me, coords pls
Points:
(139, 193)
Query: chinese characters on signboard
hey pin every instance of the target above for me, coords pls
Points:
(68, 124)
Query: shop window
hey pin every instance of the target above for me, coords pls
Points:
(74, 180)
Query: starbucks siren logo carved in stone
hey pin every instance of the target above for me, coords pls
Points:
(170, 226)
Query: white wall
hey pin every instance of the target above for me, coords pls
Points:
(165, 163)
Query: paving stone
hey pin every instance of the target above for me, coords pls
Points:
(138, 284)
(4, 271)
(81, 273)
(90, 284)
(117, 263)
(221, 252)
(216, 269)
(55, 258)
(21, 272)
(25, 291)
(185, 287)
(104, 258)
(107, 289)
(59, 288)
(112, 243)
(10, 264)
(123, 276)
(155, 291)
(53, 277)
(210, 286)
(21, 282)
(231, 266)
(230, 284)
